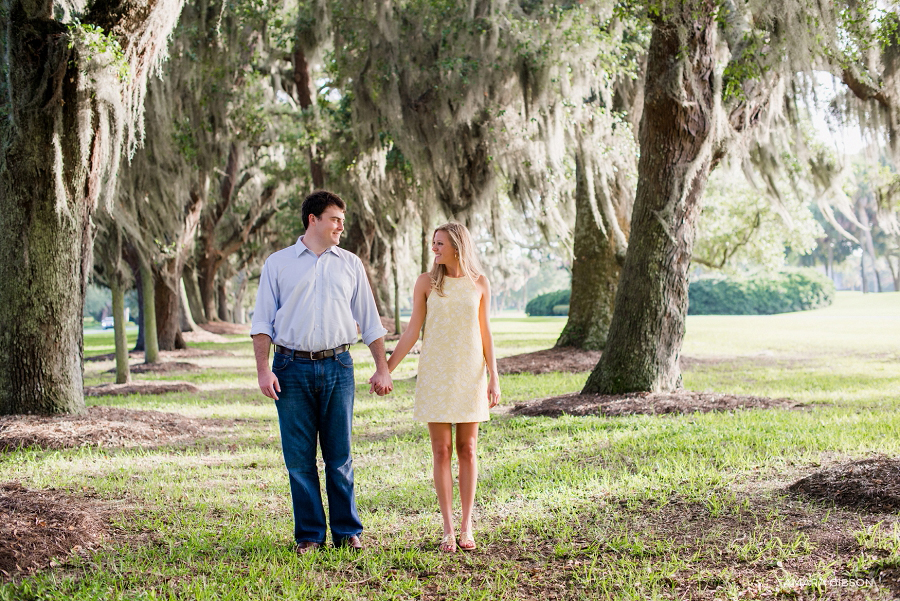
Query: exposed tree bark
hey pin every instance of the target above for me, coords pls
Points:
(305, 100)
(187, 322)
(61, 136)
(647, 328)
(167, 276)
(167, 299)
(868, 245)
(396, 271)
(112, 269)
(238, 315)
(123, 374)
(360, 239)
(148, 314)
(427, 258)
(192, 291)
(595, 269)
(222, 299)
(215, 246)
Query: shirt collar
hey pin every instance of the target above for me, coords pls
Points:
(302, 248)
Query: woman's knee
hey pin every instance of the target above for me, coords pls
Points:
(442, 453)
(466, 450)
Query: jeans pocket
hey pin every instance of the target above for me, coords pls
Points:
(280, 362)
(345, 359)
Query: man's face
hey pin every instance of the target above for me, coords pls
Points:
(328, 227)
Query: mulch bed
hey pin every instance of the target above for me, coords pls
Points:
(163, 367)
(647, 403)
(37, 526)
(565, 359)
(102, 427)
(224, 328)
(868, 484)
(138, 387)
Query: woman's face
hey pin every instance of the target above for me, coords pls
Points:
(444, 253)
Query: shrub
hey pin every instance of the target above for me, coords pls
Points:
(795, 290)
(545, 303)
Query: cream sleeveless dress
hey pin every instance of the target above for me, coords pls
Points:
(452, 383)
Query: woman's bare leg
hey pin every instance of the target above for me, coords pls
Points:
(441, 452)
(467, 454)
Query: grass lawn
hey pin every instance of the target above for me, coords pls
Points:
(639, 507)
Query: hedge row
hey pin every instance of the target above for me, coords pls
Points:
(545, 303)
(796, 290)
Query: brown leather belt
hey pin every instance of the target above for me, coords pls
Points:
(315, 355)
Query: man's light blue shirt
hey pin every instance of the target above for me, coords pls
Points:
(310, 303)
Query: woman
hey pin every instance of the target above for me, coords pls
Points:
(452, 387)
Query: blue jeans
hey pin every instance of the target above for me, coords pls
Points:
(316, 401)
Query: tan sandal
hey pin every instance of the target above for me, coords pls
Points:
(448, 544)
(467, 541)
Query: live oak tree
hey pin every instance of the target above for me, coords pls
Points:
(714, 73)
(487, 100)
(71, 97)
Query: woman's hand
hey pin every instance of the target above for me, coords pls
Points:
(493, 392)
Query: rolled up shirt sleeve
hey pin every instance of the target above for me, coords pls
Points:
(363, 309)
(266, 304)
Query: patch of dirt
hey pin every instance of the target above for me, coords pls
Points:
(566, 359)
(139, 387)
(575, 360)
(200, 335)
(185, 353)
(388, 325)
(224, 328)
(38, 526)
(868, 484)
(163, 367)
(647, 403)
(415, 350)
(103, 427)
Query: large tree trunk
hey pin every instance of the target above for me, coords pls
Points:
(64, 118)
(189, 278)
(647, 328)
(167, 295)
(45, 217)
(45, 254)
(595, 270)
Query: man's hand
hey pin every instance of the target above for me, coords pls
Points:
(381, 382)
(268, 383)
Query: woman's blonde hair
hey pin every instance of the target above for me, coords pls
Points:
(461, 240)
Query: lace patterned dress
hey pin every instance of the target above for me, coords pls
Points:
(452, 383)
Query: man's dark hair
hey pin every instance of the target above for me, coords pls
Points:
(317, 202)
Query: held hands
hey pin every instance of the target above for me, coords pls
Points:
(381, 383)
(268, 384)
(493, 392)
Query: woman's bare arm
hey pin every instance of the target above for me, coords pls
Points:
(487, 342)
(409, 337)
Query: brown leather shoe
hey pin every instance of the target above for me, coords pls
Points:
(306, 547)
(353, 543)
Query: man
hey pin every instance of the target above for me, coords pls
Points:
(311, 296)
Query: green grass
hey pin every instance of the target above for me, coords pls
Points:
(574, 507)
